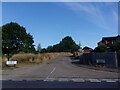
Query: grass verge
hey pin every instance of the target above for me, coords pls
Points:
(24, 59)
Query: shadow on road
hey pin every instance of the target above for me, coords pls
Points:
(74, 60)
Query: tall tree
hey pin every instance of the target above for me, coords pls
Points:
(50, 49)
(66, 45)
(39, 48)
(43, 50)
(15, 39)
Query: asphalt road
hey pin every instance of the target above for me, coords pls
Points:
(60, 72)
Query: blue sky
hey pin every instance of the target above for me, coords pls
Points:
(49, 22)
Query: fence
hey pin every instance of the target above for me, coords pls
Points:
(111, 58)
(118, 58)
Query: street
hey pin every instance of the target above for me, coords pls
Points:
(58, 73)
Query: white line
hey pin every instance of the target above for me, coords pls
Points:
(78, 80)
(110, 80)
(94, 80)
(50, 74)
(63, 79)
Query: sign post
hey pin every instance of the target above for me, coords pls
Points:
(11, 63)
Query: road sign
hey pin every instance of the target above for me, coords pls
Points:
(11, 62)
(100, 61)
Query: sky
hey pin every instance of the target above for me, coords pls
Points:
(50, 22)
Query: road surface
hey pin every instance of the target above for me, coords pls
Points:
(60, 72)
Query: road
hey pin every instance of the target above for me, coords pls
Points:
(60, 72)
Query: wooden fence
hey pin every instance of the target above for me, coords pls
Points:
(118, 58)
(111, 58)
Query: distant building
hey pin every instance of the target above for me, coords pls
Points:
(86, 50)
(109, 40)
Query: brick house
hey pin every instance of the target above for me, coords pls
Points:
(109, 40)
(86, 50)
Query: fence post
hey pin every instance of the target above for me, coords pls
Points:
(116, 59)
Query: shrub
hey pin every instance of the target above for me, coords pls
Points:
(100, 48)
(35, 58)
(23, 57)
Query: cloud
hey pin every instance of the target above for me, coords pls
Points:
(115, 15)
(94, 13)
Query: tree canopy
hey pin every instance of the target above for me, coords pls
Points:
(66, 45)
(39, 48)
(15, 39)
(100, 48)
(116, 46)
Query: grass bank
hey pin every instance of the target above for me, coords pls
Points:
(24, 59)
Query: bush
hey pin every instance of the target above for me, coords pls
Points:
(100, 48)
(35, 58)
(23, 57)
(116, 46)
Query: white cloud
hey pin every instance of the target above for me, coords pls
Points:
(94, 13)
(115, 15)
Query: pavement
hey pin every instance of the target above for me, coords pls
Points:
(59, 73)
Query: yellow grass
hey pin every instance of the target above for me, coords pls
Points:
(29, 58)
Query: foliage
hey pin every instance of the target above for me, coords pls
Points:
(100, 48)
(43, 50)
(66, 45)
(50, 49)
(16, 39)
(116, 46)
(39, 48)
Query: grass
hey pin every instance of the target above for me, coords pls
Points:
(24, 59)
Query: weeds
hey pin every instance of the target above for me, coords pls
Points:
(29, 58)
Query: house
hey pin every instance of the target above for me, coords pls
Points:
(109, 40)
(86, 50)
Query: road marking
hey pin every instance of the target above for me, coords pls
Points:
(50, 74)
(94, 80)
(72, 79)
(63, 79)
(110, 80)
(78, 80)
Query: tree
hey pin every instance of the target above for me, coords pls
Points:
(80, 46)
(116, 46)
(100, 48)
(66, 45)
(50, 49)
(39, 48)
(15, 39)
(43, 50)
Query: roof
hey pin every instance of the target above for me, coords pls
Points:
(86, 48)
(100, 42)
(109, 38)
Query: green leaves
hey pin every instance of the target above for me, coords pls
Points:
(66, 45)
(100, 48)
(116, 46)
(15, 39)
